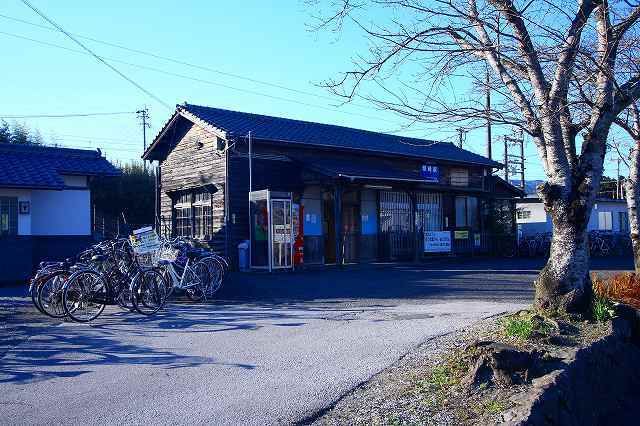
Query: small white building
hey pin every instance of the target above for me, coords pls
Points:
(45, 204)
(608, 215)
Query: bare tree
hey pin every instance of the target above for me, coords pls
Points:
(630, 122)
(545, 57)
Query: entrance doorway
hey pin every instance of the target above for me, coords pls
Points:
(351, 226)
(329, 227)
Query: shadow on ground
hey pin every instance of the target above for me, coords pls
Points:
(36, 348)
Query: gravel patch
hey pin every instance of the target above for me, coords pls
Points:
(421, 388)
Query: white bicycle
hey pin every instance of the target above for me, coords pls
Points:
(194, 278)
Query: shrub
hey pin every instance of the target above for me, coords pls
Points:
(518, 327)
(602, 309)
(623, 287)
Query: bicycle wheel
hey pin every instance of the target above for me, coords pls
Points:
(149, 292)
(216, 275)
(196, 280)
(34, 288)
(50, 294)
(84, 296)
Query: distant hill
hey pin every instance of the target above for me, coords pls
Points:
(529, 185)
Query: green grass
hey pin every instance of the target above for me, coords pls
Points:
(602, 309)
(495, 407)
(518, 327)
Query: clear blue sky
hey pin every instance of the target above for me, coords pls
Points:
(268, 41)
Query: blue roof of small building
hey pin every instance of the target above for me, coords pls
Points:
(42, 167)
(278, 129)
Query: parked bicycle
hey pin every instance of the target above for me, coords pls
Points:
(112, 273)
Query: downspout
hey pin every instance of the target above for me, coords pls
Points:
(226, 199)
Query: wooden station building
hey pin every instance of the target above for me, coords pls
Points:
(364, 195)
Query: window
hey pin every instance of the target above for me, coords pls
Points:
(202, 215)
(466, 212)
(459, 177)
(623, 221)
(523, 214)
(194, 215)
(8, 216)
(182, 209)
(604, 221)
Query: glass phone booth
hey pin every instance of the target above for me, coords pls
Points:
(271, 228)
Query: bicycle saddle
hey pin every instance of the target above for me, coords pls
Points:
(192, 255)
(98, 258)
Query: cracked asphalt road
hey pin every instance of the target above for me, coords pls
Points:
(272, 349)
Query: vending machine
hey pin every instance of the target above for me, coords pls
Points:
(271, 230)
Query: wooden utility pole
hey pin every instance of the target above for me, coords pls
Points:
(516, 160)
(143, 115)
(461, 133)
(488, 113)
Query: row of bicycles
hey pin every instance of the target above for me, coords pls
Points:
(111, 273)
(601, 244)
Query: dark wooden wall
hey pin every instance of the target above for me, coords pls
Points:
(270, 171)
(195, 161)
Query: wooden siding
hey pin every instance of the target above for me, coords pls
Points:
(193, 162)
(270, 171)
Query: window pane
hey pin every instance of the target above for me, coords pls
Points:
(461, 211)
(8, 216)
(472, 212)
(604, 221)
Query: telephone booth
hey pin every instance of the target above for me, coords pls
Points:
(271, 230)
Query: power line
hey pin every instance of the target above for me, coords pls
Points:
(88, 114)
(200, 80)
(188, 64)
(100, 59)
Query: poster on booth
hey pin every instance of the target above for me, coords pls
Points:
(145, 240)
(437, 241)
(282, 233)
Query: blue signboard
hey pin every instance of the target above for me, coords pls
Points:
(430, 173)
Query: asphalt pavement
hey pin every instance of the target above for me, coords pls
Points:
(272, 349)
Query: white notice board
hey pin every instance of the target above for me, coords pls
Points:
(437, 241)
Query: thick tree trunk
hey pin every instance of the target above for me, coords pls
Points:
(632, 190)
(564, 285)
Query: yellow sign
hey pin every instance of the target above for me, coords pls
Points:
(461, 235)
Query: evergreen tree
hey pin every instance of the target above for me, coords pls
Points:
(5, 132)
(19, 134)
(36, 138)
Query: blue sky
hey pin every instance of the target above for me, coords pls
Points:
(267, 41)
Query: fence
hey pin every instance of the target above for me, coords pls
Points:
(107, 226)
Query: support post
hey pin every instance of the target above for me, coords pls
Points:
(337, 208)
(506, 159)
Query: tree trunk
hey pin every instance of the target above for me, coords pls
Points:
(632, 190)
(564, 285)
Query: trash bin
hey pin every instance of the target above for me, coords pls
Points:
(243, 256)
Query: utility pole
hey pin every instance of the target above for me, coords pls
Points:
(250, 164)
(506, 159)
(143, 115)
(488, 113)
(516, 161)
(618, 186)
(461, 133)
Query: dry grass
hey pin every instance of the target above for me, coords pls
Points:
(623, 287)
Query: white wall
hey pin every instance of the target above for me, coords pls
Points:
(66, 212)
(24, 220)
(75, 181)
(541, 222)
(607, 206)
(537, 212)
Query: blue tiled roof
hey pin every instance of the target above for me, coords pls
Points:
(35, 166)
(278, 129)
